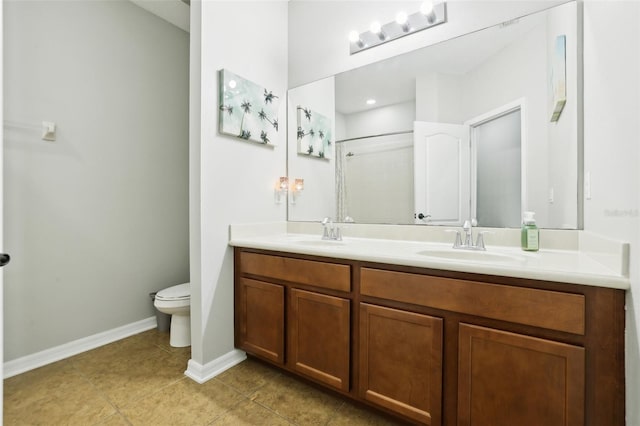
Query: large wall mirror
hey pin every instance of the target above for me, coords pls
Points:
(482, 126)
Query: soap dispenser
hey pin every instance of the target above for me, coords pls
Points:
(530, 234)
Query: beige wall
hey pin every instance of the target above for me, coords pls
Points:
(98, 219)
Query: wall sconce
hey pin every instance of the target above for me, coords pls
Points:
(282, 186)
(296, 190)
(429, 15)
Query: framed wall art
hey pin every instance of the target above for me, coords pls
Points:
(314, 133)
(559, 77)
(247, 110)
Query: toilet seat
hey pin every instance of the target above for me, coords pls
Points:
(175, 293)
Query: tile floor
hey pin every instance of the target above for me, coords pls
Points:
(140, 381)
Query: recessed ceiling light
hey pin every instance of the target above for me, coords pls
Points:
(371, 101)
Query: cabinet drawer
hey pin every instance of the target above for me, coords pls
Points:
(310, 272)
(539, 308)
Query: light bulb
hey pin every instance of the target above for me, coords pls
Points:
(427, 10)
(284, 183)
(426, 7)
(376, 29)
(354, 37)
(401, 18)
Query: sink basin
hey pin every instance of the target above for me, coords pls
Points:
(472, 256)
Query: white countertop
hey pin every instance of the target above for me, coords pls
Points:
(568, 266)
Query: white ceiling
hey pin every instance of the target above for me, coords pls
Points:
(391, 81)
(175, 12)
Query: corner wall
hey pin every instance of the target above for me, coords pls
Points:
(96, 220)
(232, 180)
(612, 151)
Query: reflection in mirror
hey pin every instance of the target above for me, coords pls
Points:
(461, 129)
(383, 196)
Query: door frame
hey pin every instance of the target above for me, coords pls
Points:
(1, 209)
(474, 123)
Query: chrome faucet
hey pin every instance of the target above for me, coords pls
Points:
(468, 244)
(330, 230)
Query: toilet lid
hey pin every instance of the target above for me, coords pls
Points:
(177, 292)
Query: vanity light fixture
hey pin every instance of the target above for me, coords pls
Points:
(282, 186)
(430, 14)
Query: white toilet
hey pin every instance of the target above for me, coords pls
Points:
(176, 301)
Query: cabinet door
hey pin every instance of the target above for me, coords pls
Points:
(401, 362)
(319, 337)
(260, 319)
(507, 379)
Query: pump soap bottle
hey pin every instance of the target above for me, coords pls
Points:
(530, 234)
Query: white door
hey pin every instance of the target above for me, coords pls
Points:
(441, 173)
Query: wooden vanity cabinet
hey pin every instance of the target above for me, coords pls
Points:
(295, 313)
(437, 347)
(516, 352)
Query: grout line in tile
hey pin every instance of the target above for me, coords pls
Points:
(247, 394)
(335, 412)
(113, 403)
(147, 395)
(219, 416)
(96, 389)
(275, 412)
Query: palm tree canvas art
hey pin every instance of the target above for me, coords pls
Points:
(247, 110)
(314, 133)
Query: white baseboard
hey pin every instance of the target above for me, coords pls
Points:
(202, 373)
(48, 356)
